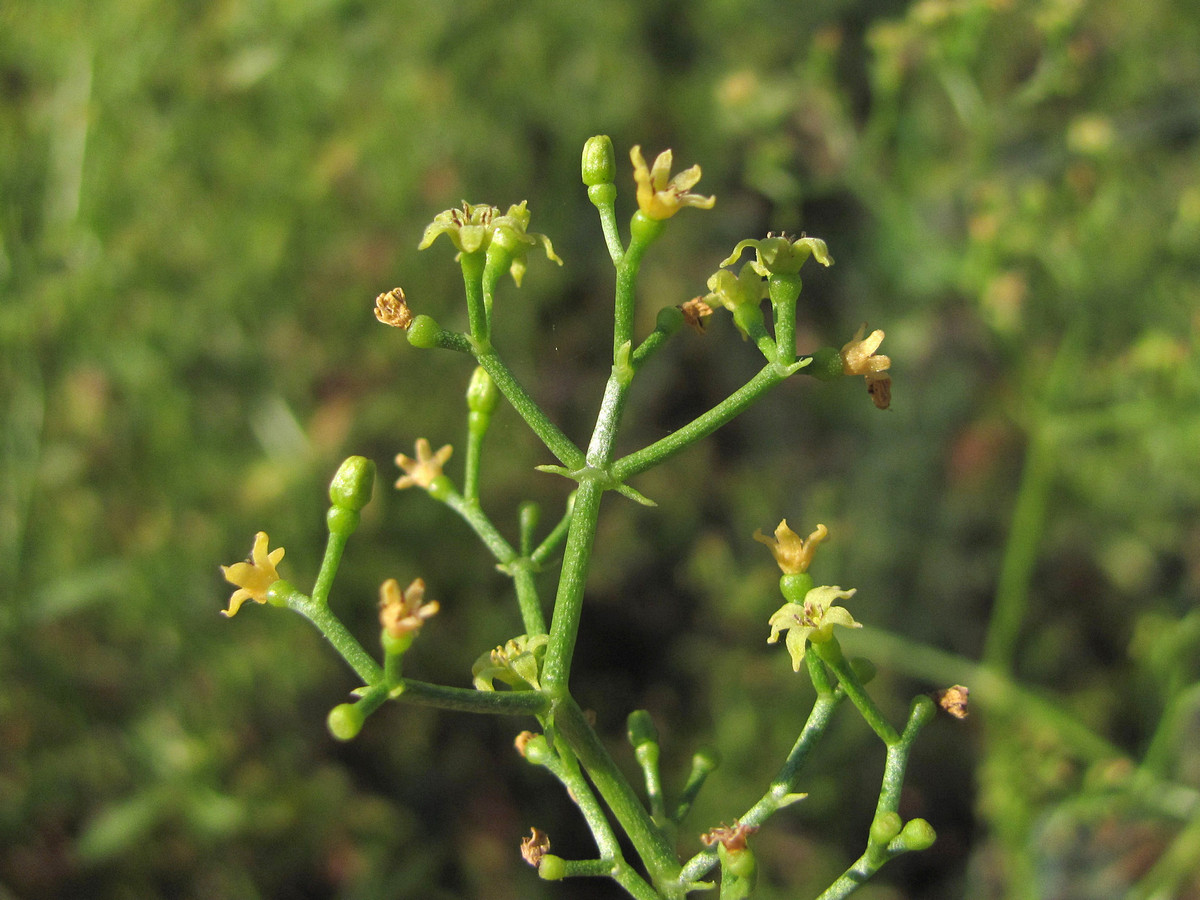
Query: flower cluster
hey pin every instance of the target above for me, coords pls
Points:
(477, 227)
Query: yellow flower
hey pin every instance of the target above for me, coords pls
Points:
(658, 195)
(793, 553)
(423, 470)
(811, 621)
(253, 578)
(859, 358)
(404, 612)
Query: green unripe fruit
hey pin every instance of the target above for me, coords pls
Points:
(863, 668)
(826, 365)
(599, 161)
(795, 586)
(279, 591)
(537, 750)
(741, 864)
(351, 486)
(670, 318)
(644, 230)
(345, 721)
(552, 868)
(424, 332)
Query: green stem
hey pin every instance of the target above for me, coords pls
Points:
(477, 315)
(605, 203)
(784, 291)
(522, 573)
(782, 786)
(329, 566)
(617, 792)
(921, 712)
(549, 433)
(830, 653)
(568, 603)
(701, 427)
(500, 703)
(335, 632)
(471, 513)
(555, 538)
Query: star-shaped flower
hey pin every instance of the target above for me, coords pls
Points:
(518, 664)
(658, 195)
(793, 553)
(811, 621)
(404, 612)
(469, 228)
(253, 578)
(781, 255)
(423, 470)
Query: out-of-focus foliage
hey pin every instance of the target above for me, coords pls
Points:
(198, 203)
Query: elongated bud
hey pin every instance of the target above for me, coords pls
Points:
(351, 486)
(641, 728)
(599, 161)
(482, 394)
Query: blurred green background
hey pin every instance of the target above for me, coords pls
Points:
(198, 204)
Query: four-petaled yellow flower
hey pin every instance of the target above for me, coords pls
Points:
(253, 578)
(793, 553)
(859, 358)
(658, 195)
(423, 470)
(812, 620)
(404, 612)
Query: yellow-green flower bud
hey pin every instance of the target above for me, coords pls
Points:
(917, 834)
(345, 721)
(599, 161)
(351, 486)
(885, 828)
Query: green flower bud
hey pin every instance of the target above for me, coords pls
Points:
(706, 759)
(599, 161)
(351, 486)
(482, 393)
(917, 835)
(641, 729)
(884, 829)
(345, 721)
(424, 332)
